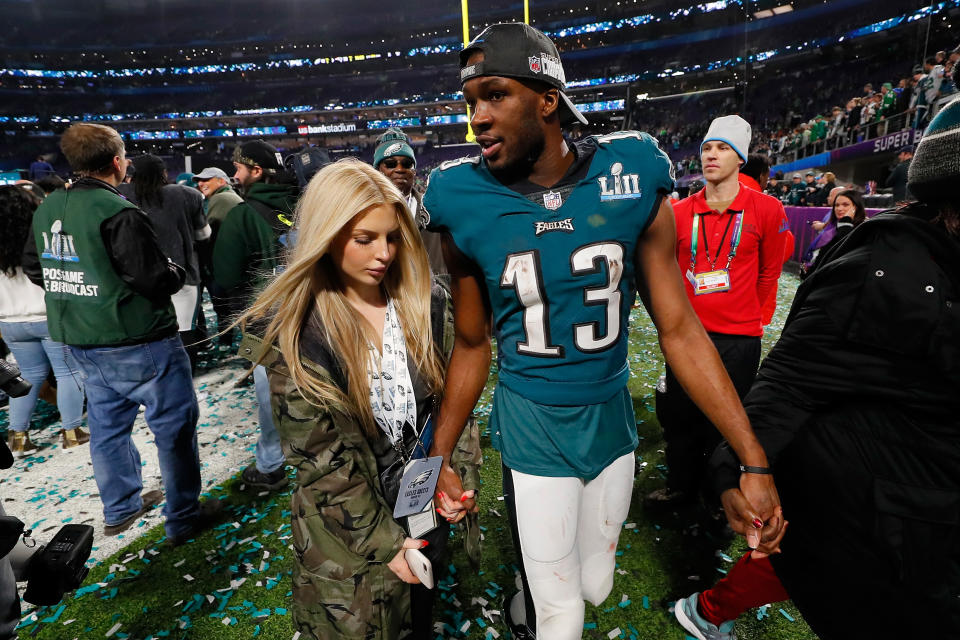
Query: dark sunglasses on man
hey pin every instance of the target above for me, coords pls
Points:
(391, 163)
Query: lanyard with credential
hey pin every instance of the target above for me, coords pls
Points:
(734, 242)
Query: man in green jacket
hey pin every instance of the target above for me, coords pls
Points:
(246, 254)
(108, 287)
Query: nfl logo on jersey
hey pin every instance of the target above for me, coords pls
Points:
(552, 200)
(534, 63)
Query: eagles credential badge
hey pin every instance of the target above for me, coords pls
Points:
(417, 485)
(552, 200)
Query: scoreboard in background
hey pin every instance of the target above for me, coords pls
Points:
(9, 177)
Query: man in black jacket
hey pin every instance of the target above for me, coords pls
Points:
(857, 406)
(898, 177)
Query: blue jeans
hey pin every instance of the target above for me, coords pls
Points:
(119, 380)
(35, 353)
(269, 455)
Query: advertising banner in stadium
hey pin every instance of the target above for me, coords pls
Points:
(890, 142)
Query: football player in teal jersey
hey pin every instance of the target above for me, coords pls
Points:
(547, 243)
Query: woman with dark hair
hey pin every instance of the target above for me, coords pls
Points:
(23, 324)
(847, 212)
(856, 407)
(176, 212)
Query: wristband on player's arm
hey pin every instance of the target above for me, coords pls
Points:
(765, 471)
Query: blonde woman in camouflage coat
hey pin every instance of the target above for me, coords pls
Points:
(356, 290)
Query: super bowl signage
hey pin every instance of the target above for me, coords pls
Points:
(339, 127)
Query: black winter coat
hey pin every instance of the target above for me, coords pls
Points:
(857, 408)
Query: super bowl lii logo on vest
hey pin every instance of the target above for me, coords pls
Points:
(60, 246)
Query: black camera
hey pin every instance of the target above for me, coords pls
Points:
(10, 381)
(49, 570)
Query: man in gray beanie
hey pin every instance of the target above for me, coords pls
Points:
(730, 245)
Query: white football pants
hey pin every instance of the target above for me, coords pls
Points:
(567, 531)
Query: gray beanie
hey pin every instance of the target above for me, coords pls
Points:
(935, 170)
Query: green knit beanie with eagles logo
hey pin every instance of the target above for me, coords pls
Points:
(393, 143)
(935, 169)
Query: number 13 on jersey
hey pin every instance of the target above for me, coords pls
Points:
(523, 273)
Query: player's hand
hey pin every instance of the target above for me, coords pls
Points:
(761, 493)
(754, 510)
(399, 563)
(453, 502)
(741, 515)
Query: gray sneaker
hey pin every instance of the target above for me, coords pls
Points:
(689, 618)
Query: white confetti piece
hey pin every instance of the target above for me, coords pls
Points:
(188, 577)
(179, 563)
(614, 633)
(113, 630)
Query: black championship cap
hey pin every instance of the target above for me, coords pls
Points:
(257, 153)
(517, 50)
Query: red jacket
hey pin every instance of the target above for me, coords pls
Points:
(754, 270)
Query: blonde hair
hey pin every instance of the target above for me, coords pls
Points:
(311, 284)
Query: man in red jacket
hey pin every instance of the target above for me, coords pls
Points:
(730, 248)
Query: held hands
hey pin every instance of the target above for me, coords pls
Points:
(399, 563)
(452, 501)
(755, 503)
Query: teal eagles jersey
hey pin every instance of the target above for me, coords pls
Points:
(559, 271)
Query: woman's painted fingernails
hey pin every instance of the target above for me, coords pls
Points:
(441, 494)
(464, 498)
(758, 523)
(439, 510)
(423, 543)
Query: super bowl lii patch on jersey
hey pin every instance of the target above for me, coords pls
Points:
(552, 200)
(619, 185)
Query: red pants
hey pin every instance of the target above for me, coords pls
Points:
(750, 583)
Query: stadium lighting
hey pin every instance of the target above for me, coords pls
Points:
(769, 13)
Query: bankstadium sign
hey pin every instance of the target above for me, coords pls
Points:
(340, 127)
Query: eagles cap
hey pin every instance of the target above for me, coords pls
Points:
(517, 50)
(257, 153)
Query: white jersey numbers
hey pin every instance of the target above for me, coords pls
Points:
(587, 260)
(522, 272)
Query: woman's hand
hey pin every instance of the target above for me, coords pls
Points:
(455, 511)
(399, 563)
(817, 225)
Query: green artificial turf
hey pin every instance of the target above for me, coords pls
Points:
(194, 591)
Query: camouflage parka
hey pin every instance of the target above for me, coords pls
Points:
(344, 533)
